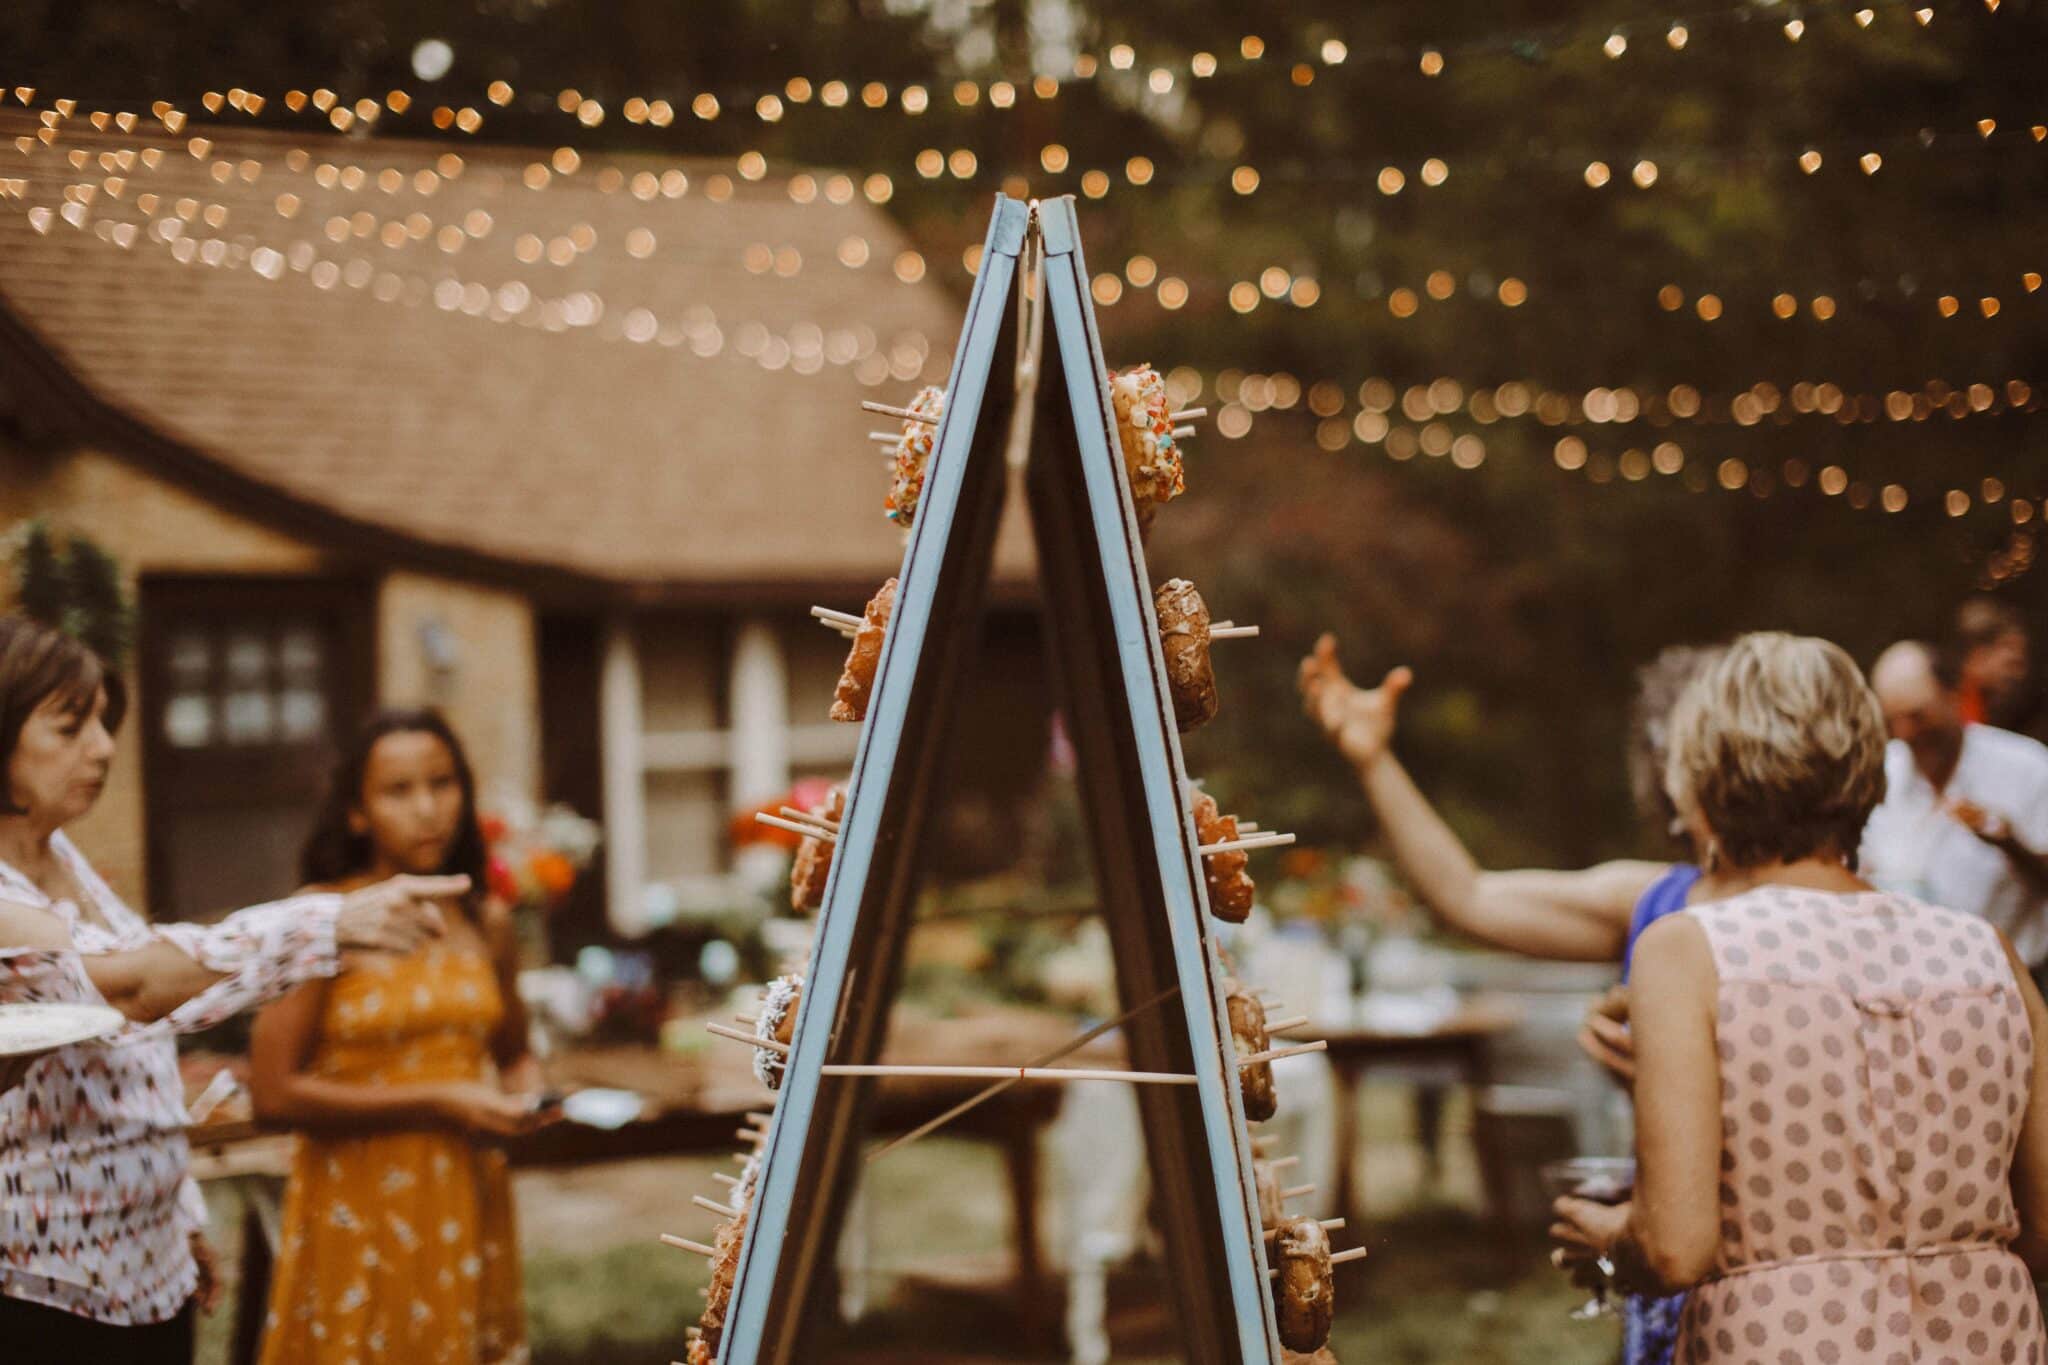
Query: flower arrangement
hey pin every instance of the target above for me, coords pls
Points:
(534, 856)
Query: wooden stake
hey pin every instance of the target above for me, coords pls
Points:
(982, 1097)
(1187, 414)
(1247, 827)
(746, 1019)
(1232, 632)
(759, 1119)
(1282, 1025)
(1355, 1254)
(869, 405)
(1274, 1054)
(721, 1210)
(1182, 433)
(726, 1031)
(1281, 1163)
(1329, 1224)
(685, 1244)
(886, 437)
(819, 831)
(1227, 845)
(1296, 1191)
(836, 617)
(749, 1135)
(726, 1178)
(827, 821)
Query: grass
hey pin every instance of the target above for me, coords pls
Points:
(1442, 1286)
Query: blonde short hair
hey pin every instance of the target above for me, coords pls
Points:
(1780, 746)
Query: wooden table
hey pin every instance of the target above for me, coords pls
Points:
(1463, 1039)
(696, 1101)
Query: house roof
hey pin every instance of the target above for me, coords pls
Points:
(350, 334)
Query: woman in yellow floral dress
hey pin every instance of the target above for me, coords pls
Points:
(397, 1244)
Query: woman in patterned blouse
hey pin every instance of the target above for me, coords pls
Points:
(98, 1218)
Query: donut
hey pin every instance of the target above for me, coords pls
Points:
(1145, 431)
(913, 452)
(1322, 1357)
(1184, 636)
(700, 1354)
(813, 865)
(1248, 1032)
(1304, 1295)
(725, 1265)
(776, 1021)
(857, 679)
(1231, 888)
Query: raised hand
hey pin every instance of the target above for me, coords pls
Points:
(397, 914)
(1358, 721)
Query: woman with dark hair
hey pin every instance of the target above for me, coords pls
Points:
(100, 1247)
(396, 1242)
(1841, 1093)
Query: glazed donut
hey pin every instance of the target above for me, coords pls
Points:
(913, 452)
(1304, 1295)
(1248, 1032)
(1322, 1357)
(1145, 432)
(1184, 636)
(813, 865)
(1231, 888)
(777, 1021)
(725, 1265)
(857, 679)
(700, 1354)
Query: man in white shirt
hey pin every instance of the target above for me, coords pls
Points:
(1964, 822)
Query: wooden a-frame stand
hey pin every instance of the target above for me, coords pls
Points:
(1046, 396)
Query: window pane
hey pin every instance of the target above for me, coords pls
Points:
(191, 659)
(303, 713)
(248, 662)
(302, 656)
(188, 720)
(248, 717)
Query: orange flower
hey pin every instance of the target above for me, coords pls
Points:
(555, 873)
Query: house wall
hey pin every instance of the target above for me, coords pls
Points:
(153, 527)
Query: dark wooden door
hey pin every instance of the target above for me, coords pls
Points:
(249, 688)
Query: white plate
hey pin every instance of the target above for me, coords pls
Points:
(599, 1108)
(26, 1030)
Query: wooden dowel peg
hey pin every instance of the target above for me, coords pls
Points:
(685, 1244)
(793, 813)
(818, 831)
(1329, 1224)
(1354, 1254)
(727, 1031)
(1282, 1025)
(1233, 632)
(836, 617)
(1281, 1163)
(759, 1119)
(1047, 1073)
(712, 1204)
(1187, 414)
(888, 438)
(1066, 1049)
(751, 1136)
(1275, 1053)
(1247, 827)
(1182, 433)
(1227, 845)
(1296, 1191)
(726, 1178)
(870, 405)
(746, 1019)
(891, 1069)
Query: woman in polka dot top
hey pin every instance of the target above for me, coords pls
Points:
(1842, 1121)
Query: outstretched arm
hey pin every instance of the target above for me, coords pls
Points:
(1578, 916)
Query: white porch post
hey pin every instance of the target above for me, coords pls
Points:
(625, 789)
(759, 692)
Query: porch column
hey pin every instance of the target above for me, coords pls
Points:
(625, 791)
(758, 687)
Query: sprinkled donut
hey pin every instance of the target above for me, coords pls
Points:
(776, 1022)
(1145, 430)
(913, 452)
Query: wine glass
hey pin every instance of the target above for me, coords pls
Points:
(1604, 1180)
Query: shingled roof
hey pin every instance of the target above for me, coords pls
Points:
(352, 335)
